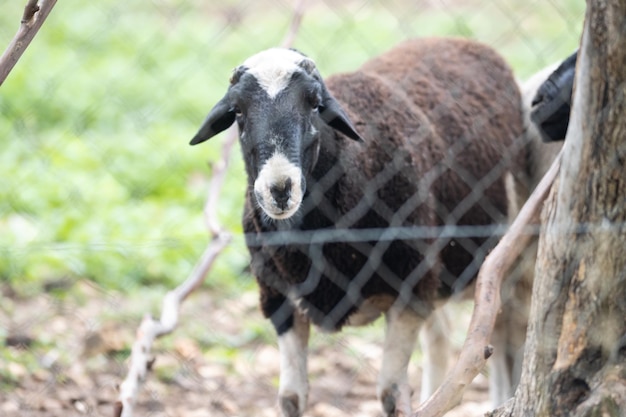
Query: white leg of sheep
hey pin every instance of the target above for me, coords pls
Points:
(500, 383)
(436, 351)
(394, 391)
(294, 386)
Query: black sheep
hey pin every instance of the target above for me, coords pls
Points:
(355, 182)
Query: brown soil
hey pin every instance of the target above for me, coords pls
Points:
(65, 356)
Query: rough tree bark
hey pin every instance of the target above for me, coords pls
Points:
(575, 360)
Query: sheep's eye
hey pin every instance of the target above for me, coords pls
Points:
(314, 102)
(236, 110)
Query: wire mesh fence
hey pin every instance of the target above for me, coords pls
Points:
(101, 198)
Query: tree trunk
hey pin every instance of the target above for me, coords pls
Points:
(575, 359)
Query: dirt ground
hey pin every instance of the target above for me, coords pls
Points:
(65, 356)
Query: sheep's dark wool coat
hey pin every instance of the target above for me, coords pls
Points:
(439, 119)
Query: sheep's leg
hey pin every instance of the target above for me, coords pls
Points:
(500, 385)
(509, 333)
(435, 347)
(294, 386)
(394, 391)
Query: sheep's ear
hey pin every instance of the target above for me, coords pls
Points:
(334, 116)
(220, 118)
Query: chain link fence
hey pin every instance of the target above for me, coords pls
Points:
(101, 197)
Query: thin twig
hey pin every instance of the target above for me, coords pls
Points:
(151, 329)
(296, 20)
(477, 348)
(34, 15)
(217, 180)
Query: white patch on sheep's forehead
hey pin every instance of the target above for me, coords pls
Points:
(273, 68)
(275, 173)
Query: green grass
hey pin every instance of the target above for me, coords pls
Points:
(97, 178)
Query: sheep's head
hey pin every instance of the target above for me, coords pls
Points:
(279, 102)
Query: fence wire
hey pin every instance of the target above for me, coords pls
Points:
(101, 197)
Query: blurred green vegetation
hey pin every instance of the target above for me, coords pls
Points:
(97, 179)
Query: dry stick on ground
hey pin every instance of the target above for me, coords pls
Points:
(33, 18)
(150, 329)
(477, 348)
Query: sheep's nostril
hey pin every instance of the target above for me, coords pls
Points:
(281, 193)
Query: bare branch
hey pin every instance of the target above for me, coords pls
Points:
(477, 349)
(296, 20)
(151, 329)
(29, 11)
(35, 14)
(217, 180)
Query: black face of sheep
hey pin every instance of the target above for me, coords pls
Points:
(280, 103)
(552, 104)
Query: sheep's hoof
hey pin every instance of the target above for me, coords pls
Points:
(393, 402)
(289, 405)
(388, 401)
